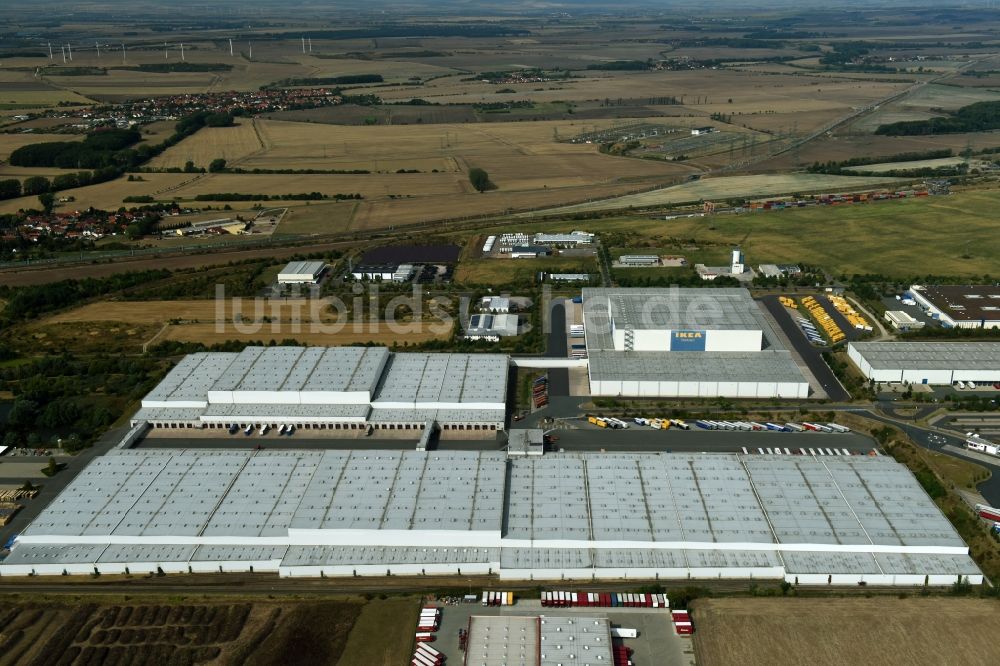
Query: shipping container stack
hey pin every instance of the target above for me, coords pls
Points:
(427, 625)
(682, 622)
(560, 599)
(540, 391)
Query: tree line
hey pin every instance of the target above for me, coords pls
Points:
(304, 196)
(978, 117)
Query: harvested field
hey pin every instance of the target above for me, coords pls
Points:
(153, 312)
(370, 186)
(229, 143)
(387, 213)
(501, 147)
(727, 187)
(880, 631)
(377, 333)
(177, 633)
(109, 195)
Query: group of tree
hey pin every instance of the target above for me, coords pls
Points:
(347, 79)
(99, 149)
(480, 180)
(978, 117)
(303, 196)
(72, 398)
(622, 65)
(33, 300)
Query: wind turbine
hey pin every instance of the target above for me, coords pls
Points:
(69, 47)
(303, 44)
(250, 46)
(182, 51)
(310, 45)
(64, 53)
(230, 47)
(97, 46)
(123, 53)
(165, 56)
(50, 50)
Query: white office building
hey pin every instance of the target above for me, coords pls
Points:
(685, 343)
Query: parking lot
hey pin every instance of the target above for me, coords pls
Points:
(656, 644)
(674, 440)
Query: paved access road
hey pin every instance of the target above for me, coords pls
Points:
(557, 348)
(812, 356)
(936, 441)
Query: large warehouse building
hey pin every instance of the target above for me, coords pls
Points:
(582, 516)
(330, 388)
(685, 342)
(960, 306)
(940, 363)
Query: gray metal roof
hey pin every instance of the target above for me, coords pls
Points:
(930, 355)
(451, 378)
(634, 558)
(306, 556)
(313, 268)
(333, 369)
(503, 325)
(616, 504)
(549, 640)
(675, 308)
(314, 382)
(847, 500)
(213, 493)
(627, 497)
(191, 379)
(763, 366)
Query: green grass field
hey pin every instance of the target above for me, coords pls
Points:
(956, 235)
(519, 271)
(382, 634)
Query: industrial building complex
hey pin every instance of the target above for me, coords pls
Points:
(685, 342)
(330, 388)
(802, 519)
(968, 306)
(941, 363)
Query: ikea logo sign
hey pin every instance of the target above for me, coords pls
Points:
(687, 341)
